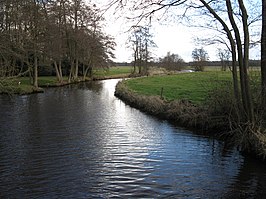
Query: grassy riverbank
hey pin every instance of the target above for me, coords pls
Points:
(203, 101)
(113, 72)
(22, 85)
(187, 86)
(182, 97)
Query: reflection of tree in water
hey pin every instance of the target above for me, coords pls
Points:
(248, 174)
(251, 180)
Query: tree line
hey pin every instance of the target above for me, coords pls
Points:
(66, 35)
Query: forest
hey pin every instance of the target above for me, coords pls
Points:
(40, 34)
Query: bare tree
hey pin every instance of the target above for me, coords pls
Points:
(224, 56)
(65, 34)
(263, 52)
(141, 41)
(172, 62)
(56, 47)
(242, 52)
(200, 58)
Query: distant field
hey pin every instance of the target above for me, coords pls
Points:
(190, 86)
(218, 68)
(113, 71)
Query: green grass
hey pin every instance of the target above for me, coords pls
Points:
(22, 85)
(42, 81)
(114, 71)
(13, 86)
(189, 86)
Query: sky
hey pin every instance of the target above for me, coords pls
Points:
(170, 37)
(174, 38)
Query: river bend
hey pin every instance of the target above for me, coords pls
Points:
(80, 141)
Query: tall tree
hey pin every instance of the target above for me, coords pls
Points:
(141, 41)
(263, 51)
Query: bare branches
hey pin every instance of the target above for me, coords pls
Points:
(52, 33)
(145, 10)
(141, 41)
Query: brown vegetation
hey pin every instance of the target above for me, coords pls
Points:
(249, 136)
(182, 112)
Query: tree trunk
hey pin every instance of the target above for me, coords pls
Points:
(135, 62)
(250, 107)
(58, 71)
(35, 75)
(263, 53)
(242, 59)
(71, 72)
(85, 72)
(76, 69)
(234, 72)
(30, 71)
(233, 49)
(146, 59)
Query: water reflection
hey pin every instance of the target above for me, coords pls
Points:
(250, 181)
(82, 142)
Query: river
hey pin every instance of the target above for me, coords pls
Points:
(80, 141)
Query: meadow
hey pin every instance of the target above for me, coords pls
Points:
(186, 86)
(113, 71)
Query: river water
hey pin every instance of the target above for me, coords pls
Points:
(80, 141)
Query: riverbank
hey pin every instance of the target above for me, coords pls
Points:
(196, 109)
(22, 85)
(182, 112)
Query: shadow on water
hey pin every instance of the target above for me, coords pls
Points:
(95, 86)
(250, 181)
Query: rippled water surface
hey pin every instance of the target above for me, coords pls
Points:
(82, 142)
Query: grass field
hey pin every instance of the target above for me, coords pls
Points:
(189, 86)
(42, 81)
(113, 71)
(15, 86)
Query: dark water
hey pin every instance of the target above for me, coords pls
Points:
(82, 142)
